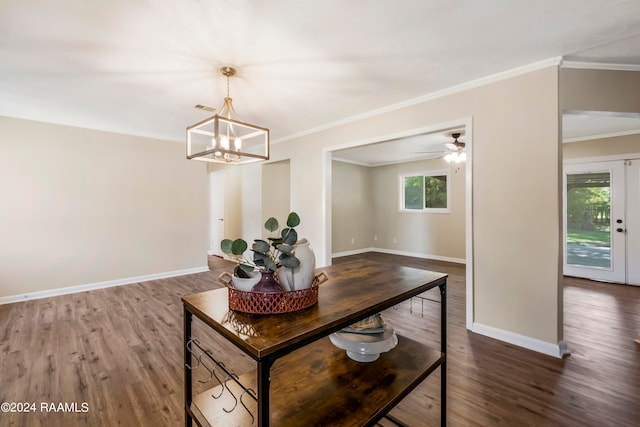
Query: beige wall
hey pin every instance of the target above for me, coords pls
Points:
(600, 90)
(627, 144)
(275, 193)
(365, 209)
(516, 234)
(81, 207)
(441, 235)
(352, 207)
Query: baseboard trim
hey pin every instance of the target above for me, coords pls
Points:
(558, 350)
(402, 253)
(354, 252)
(99, 285)
(421, 255)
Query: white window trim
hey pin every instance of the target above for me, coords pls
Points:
(438, 172)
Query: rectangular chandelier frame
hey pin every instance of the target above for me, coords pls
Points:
(220, 139)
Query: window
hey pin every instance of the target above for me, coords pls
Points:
(425, 192)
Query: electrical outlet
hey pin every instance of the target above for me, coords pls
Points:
(353, 240)
(375, 238)
(395, 240)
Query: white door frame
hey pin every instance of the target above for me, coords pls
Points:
(633, 221)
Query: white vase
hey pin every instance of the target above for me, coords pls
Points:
(302, 276)
(246, 284)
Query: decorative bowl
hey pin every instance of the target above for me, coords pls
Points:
(365, 347)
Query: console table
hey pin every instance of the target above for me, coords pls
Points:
(300, 377)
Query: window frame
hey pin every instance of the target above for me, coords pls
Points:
(401, 194)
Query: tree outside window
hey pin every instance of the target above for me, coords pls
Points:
(435, 191)
(425, 192)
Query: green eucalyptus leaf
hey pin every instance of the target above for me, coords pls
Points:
(289, 236)
(259, 259)
(269, 264)
(242, 271)
(225, 246)
(271, 224)
(238, 247)
(261, 246)
(293, 220)
(285, 248)
(276, 242)
(289, 261)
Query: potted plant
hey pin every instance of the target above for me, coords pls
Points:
(268, 256)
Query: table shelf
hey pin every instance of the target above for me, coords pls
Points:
(319, 385)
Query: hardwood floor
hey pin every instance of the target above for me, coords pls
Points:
(120, 351)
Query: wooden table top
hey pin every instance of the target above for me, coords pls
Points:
(354, 291)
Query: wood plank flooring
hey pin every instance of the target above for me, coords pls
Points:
(120, 351)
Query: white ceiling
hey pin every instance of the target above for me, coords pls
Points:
(139, 66)
(411, 148)
(586, 125)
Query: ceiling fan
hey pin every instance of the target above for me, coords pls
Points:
(455, 150)
(456, 145)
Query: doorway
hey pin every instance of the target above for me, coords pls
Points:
(463, 123)
(216, 211)
(600, 198)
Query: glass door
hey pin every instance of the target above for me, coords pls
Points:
(594, 221)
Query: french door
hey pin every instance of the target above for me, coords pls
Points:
(599, 243)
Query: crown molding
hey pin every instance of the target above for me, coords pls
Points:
(555, 61)
(599, 66)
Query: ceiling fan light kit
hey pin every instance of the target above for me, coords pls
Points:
(457, 154)
(223, 139)
(456, 157)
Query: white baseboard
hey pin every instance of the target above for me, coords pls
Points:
(558, 350)
(99, 285)
(421, 255)
(354, 252)
(403, 253)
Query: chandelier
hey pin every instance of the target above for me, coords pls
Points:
(223, 139)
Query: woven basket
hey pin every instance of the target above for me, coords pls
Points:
(273, 302)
